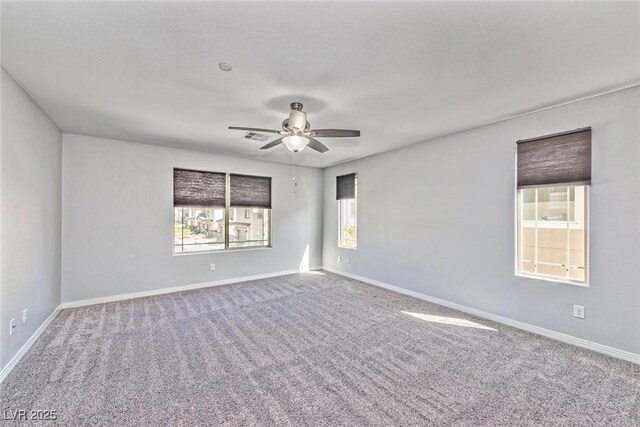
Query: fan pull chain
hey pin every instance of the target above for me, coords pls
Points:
(294, 164)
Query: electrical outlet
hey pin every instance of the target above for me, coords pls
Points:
(12, 326)
(339, 258)
(24, 316)
(348, 260)
(578, 311)
(212, 267)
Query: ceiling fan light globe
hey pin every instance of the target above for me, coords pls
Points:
(295, 143)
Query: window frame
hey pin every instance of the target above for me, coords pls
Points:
(227, 209)
(518, 240)
(355, 201)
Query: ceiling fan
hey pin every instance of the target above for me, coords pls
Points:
(298, 133)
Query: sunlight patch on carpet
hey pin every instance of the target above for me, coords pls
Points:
(455, 321)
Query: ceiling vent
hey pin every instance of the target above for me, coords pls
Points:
(254, 136)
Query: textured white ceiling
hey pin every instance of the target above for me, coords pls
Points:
(400, 72)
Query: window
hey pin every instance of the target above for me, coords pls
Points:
(553, 203)
(217, 211)
(348, 235)
(198, 229)
(250, 202)
(347, 210)
(553, 233)
(250, 231)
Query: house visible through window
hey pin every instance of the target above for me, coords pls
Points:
(248, 227)
(198, 229)
(216, 211)
(553, 200)
(346, 193)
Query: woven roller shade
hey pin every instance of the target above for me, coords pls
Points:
(198, 188)
(250, 191)
(346, 186)
(562, 158)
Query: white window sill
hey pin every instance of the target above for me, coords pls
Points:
(348, 247)
(554, 280)
(218, 251)
(552, 224)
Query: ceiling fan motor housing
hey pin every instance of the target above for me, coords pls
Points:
(297, 121)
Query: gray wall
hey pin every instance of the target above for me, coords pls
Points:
(30, 209)
(118, 219)
(439, 218)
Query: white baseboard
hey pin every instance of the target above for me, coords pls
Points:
(132, 295)
(569, 339)
(14, 361)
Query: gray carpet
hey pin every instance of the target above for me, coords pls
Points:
(310, 349)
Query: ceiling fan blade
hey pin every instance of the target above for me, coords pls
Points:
(254, 129)
(334, 133)
(317, 145)
(272, 144)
